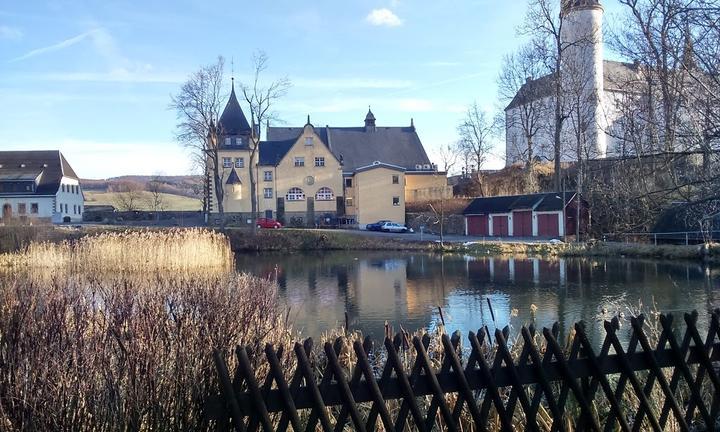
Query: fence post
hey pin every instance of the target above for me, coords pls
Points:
(655, 238)
(687, 240)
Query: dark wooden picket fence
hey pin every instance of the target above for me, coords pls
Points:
(666, 381)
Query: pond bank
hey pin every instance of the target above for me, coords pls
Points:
(288, 240)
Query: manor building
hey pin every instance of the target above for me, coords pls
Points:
(308, 175)
(38, 186)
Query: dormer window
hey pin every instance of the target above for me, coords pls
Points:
(308, 141)
(228, 141)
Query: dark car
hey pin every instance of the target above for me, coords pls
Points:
(376, 226)
(268, 223)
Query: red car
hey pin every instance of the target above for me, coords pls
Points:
(268, 223)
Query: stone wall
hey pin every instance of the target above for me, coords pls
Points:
(452, 224)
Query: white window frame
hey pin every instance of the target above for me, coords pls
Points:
(395, 179)
(35, 207)
(228, 141)
(227, 162)
(268, 193)
(348, 202)
(267, 175)
(299, 161)
(239, 162)
(319, 161)
(324, 194)
(295, 194)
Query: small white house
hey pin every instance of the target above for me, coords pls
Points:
(39, 186)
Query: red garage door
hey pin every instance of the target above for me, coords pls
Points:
(477, 225)
(548, 225)
(500, 226)
(522, 224)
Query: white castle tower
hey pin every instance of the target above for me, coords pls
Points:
(581, 35)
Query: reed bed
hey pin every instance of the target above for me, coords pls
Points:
(144, 250)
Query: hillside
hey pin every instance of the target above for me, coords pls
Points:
(144, 199)
(188, 186)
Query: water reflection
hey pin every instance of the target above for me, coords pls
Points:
(407, 289)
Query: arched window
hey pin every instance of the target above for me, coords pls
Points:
(324, 194)
(295, 194)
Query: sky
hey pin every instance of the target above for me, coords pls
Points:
(94, 78)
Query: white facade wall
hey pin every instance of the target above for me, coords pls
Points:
(69, 201)
(46, 206)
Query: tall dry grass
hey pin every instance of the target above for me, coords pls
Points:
(123, 352)
(171, 250)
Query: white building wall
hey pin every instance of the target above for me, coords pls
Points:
(46, 206)
(69, 201)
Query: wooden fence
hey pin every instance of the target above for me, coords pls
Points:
(664, 379)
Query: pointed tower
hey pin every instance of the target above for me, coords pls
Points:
(234, 128)
(582, 65)
(369, 121)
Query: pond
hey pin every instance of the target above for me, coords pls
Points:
(409, 290)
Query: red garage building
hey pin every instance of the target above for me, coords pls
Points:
(531, 215)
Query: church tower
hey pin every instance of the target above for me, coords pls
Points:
(582, 66)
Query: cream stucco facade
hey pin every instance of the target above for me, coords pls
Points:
(379, 193)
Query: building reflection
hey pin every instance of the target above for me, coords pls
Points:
(407, 290)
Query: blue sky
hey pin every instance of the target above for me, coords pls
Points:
(94, 78)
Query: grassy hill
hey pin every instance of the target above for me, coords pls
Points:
(171, 202)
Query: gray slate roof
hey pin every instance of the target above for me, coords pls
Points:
(617, 75)
(233, 121)
(51, 164)
(357, 147)
(549, 201)
(233, 178)
(271, 152)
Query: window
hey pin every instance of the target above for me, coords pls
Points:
(396, 201)
(239, 162)
(22, 208)
(308, 141)
(396, 179)
(62, 186)
(319, 161)
(267, 175)
(228, 141)
(268, 193)
(34, 208)
(348, 182)
(324, 194)
(299, 161)
(348, 202)
(295, 194)
(227, 162)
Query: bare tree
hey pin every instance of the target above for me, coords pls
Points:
(156, 199)
(260, 98)
(475, 131)
(127, 195)
(527, 107)
(449, 156)
(197, 107)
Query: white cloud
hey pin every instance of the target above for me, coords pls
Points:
(56, 46)
(383, 17)
(10, 33)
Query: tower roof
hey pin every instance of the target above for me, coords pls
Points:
(233, 121)
(370, 116)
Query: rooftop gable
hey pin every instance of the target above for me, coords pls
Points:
(47, 166)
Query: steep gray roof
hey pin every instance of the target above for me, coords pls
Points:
(49, 165)
(233, 178)
(233, 121)
(271, 152)
(616, 76)
(356, 147)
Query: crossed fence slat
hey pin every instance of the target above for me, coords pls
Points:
(637, 387)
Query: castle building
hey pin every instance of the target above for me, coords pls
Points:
(307, 175)
(592, 89)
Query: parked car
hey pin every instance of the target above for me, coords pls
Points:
(376, 225)
(268, 223)
(394, 227)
